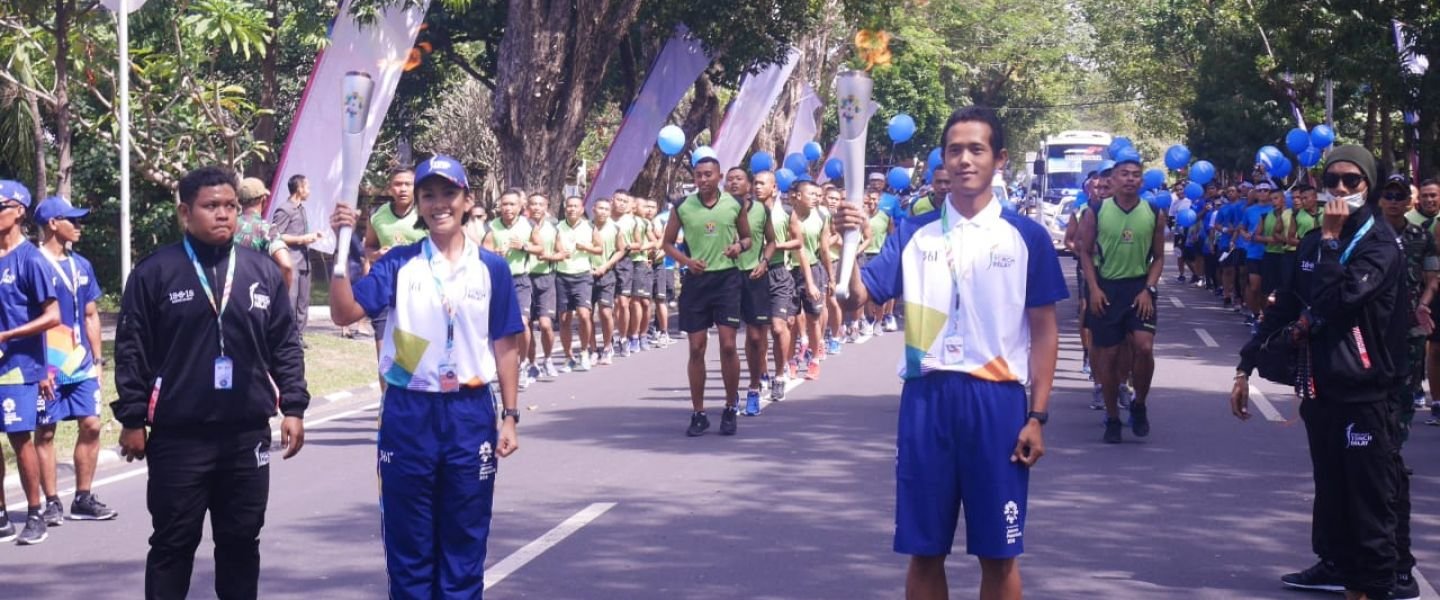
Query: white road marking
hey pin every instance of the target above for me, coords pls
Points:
(1176, 301)
(1427, 592)
(1263, 403)
(510, 564)
(1205, 337)
(142, 469)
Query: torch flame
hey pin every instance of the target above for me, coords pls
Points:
(874, 47)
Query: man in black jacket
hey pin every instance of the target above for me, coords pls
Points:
(206, 341)
(1349, 303)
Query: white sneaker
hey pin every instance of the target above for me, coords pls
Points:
(584, 361)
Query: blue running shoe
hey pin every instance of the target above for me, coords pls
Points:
(752, 403)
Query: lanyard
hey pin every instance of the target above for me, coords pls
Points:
(958, 270)
(224, 293)
(1364, 229)
(444, 301)
(72, 283)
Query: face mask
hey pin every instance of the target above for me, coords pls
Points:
(1354, 201)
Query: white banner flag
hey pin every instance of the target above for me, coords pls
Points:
(750, 110)
(312, 149)
(806, 128)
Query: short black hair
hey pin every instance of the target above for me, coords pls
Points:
(516, 192)
(203, 177)
(294, 183)
(708, 160)
(742, 172)
(391, 175)
(1428, 182)
(1304, 187)
(977, 114)
(799, 186)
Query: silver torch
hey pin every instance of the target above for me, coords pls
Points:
(355, 117)
(853, 90)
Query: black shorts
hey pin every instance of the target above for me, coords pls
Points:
(710, 298)
(663, 289)
(575, 291)
(524, 294)
(1083, 288)
(379, 323)
(802, 295)
(1120, 318)
(1187, 253)
(624, 273)
(782, 292)
(1254, 267)
(542, 302)
(755, 306)
(642, 278)
(603, 290)
(1272, 271)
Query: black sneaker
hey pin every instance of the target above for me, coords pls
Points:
(728, 420)
(7, 531)
(1112, 430)
(91, 509)
(1139, 421)
(698, 424)
(1323, 576)
(34, 531)
(1406, 588)
(54, 513)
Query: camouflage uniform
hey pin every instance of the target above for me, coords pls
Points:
(1421, 257)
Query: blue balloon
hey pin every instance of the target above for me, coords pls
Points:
(1194, 191)
(1202, 172)
(813, 151)
(1117, 144)
(1154, 178)
(701, 152)
(889, 204)
(761, 161)
(797, 164)
(1281, 168)
(1161, 199)
(671, 140)
(1321, 136)
(898, 178)
(901, 128)
(834, 168)
(784, 178)
(935, 160)
(929, 176)
(1297, 140)
(1268, 156)
(1081, 199)
(1177, 157)
(1127, 154)
(1310, 157)
(1185, 218)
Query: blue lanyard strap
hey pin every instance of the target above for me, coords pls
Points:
(219, 307)
(72, 283)
(444, 301)
(953, 265)
(1364, 229)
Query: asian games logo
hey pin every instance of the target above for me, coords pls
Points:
(486, 452)
(353, 105)
(849, 107)
(8, 277)
(1012, 512)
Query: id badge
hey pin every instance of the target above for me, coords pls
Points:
(449, 381)
(952, 350)
(224, 373)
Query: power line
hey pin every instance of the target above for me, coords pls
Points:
(1074, 105)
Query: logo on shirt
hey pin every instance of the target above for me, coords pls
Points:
(710, 228)
(1001, 261)
(10, 415)
(386, 456)
(262, 454)
(258, 301)
(7, 278)
(1012, 522)
(83, 280)
(1127, 236)
(1356, 440)
(1012, 512)
(487, 461)
(182, 296)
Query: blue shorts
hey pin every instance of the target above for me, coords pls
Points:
(956, 436)
(20, 407)
(73, 401)
(437, 463)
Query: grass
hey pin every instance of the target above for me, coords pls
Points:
(332, 364)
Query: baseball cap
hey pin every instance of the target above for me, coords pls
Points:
(877, 176)
(1128, 155)
(14, 190)
(442, 166)
(251, 188)
(1398, 179)
(1264, 186)
(57, 207)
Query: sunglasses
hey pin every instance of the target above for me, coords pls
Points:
(1351, 180)
(1395, 196)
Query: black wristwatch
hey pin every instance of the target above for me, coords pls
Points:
(510, 412)
(1154, 293)
(1331, 243)
(1041, 416)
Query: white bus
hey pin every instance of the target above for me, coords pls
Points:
(1059, 173)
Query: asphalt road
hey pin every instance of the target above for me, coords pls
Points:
(608, 499)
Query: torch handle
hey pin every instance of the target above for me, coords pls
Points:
(342, 251)
(847, 264)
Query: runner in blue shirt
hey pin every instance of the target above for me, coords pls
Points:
(453, 334)
(27, 310)
(72, 350)
(1250, 226)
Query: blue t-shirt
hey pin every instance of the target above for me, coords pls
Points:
(67, 348)
(1254, 218)
(25, 287)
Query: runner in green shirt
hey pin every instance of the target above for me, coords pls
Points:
(782, 285)
(881, 226)
(811, 272)
(603, 265)
(754, 265)
(512, 236)
(575, 281)
(542, 281)
(716, 232)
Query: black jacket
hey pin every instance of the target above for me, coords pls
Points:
(166, 343)
(1358, 310)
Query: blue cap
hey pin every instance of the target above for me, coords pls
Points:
(14, 190)
(1128, 155)
(57, 207)
(1106, 166)
(442, 166)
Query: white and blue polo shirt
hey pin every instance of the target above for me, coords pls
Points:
(1006, 264)
(480, 288)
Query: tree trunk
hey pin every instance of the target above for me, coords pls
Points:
(37, 129)
(660, 172)
(550, 66)
(65, 164)
(1387, 136)
(265, 125)
(817, 65)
